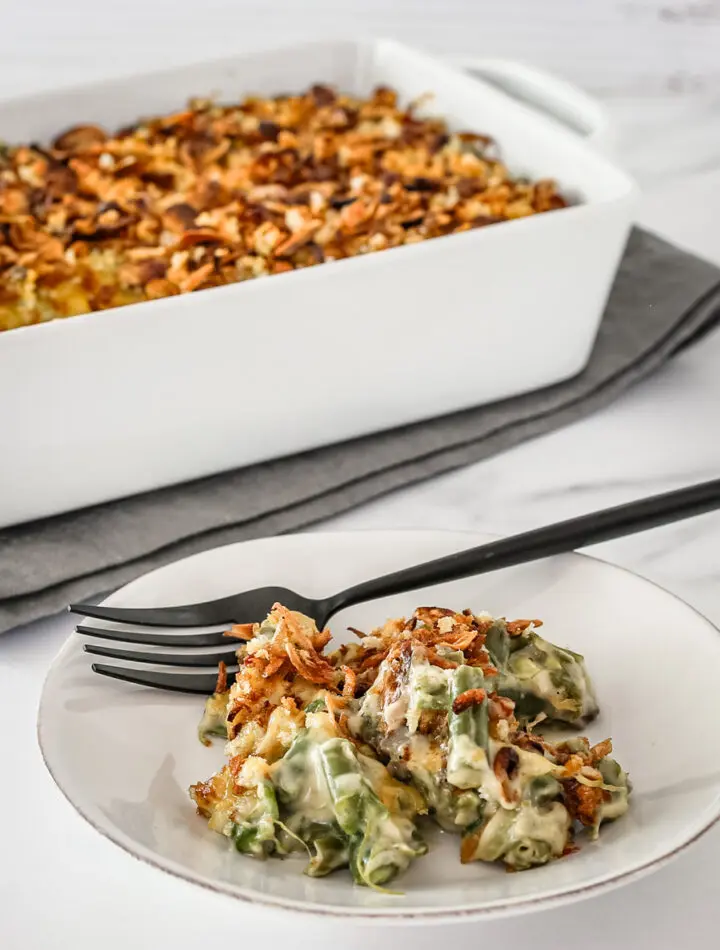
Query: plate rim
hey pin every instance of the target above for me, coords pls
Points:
(369, 916)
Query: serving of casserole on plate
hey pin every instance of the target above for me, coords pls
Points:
(341, 755)
(122, 193)
(445, 717)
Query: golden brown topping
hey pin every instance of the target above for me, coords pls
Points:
(443, 662)
(372, 660)
(505, 766)
(397, 666)
(350, 683)
(516, 627)
(206, 795)
(321, 639)
(572, 764)
(600, 750)
(241, 631)
(221, 684)
(275, 669)
(310, 665)
(221, 194)
(471, 697)
(79, 138)
(435, 631)
(576, 759)
(583, 801)
(275, 664)
(156, 288)
(460, 638)
(500, 707)
(300, 649)
(531, 743)
(431, 722)
(477, 655)
(432, 614)
(469, 844)
(506, 761)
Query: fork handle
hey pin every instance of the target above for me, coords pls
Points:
(558, 538)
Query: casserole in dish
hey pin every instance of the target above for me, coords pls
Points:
(184, 386)
(220, 193)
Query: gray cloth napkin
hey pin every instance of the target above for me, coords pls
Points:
(662, 299)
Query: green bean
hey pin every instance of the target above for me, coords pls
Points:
(290, 774)
(472, 721)
(385, 847)
(330, 851)
(555, 677)
(452, 808)
(542, 790)
(467, 808)
(381, 843)
(574, 744)
(613, 774)
(522, 837)
(527, 853)
(307, 809)
(468, 763)
(429, 687)
(328, 846)
(497, 643)
(316, 705)
(540, 676)
(490, 837)
(528, 705)
(348, 789)
(254, 832)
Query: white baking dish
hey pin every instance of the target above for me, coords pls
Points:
(105, 405)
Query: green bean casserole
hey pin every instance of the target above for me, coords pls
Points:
(217, 194)
(345, 756)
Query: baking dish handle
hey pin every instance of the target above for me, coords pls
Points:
(554, 97)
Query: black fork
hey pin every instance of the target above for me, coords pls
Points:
(253, 605)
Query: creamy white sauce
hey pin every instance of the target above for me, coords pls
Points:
(314, 802)
(468, 767)
(425, 753)
(394, 712)
(531, 764)
(616, 807)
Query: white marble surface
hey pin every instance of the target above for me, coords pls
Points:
(61, 884)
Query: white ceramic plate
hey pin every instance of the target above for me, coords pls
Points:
(125, 755)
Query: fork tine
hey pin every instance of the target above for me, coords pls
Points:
(205, 639)
(188, 658)
(176, 682)
(190, 615)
